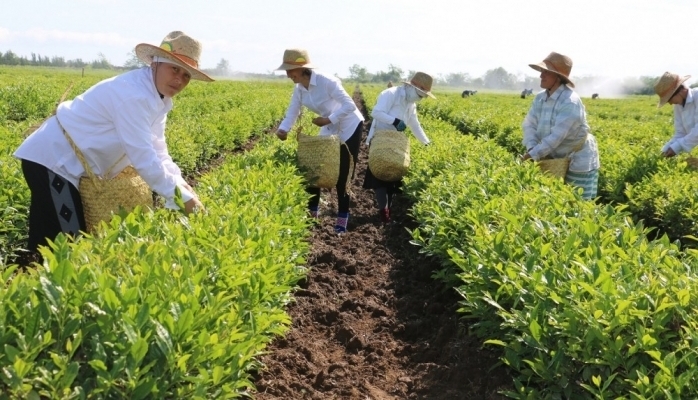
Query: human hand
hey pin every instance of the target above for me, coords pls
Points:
(193, 205)
(669, 153)
(399, 125)
(281, 134)
(525, 157)
(321, 121)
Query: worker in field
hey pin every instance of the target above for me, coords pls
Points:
(395, 110)
(671, 88)
(556, 126)
(337, 115)
(116, 125)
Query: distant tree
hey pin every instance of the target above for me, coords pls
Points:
(499, 78)
(457, 79)
(394, 74)
(133, 62)
(223, 67)
(101, 62)
(359, 74)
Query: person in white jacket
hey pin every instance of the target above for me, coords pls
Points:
(337, 115)
(117, 122)
(671, 88)
(396, 109)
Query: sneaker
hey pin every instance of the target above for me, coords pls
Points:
(342, 220)
(385, 215)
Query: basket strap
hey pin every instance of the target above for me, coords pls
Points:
(81, 156)
(579, 145)
(36, 126)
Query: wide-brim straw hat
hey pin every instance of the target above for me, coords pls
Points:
(179, 48)
(295, 58)
(558, 64)
(667, 85)
(422, 82)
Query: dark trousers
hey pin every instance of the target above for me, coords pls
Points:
(346, 164)
(55, 205)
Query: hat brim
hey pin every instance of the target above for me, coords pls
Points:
(667, 97)
(424, 92)
(145, 52)
(288, 67)
(540, 67)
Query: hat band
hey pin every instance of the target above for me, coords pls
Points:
(188, 60)
(299, 63)
(418, 86)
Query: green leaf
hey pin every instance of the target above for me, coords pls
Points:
(535, 330)
(139, 350)
(144, 388)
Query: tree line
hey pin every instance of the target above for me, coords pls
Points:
(494, 79)
(500, 79)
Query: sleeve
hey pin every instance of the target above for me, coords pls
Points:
(682, 141)
(530, 126)
(293, 110)
(336, 92)
(414, 124)
(379, 113)
(567, 119)
(144, 149)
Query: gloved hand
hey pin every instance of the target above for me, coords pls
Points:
(399, 125)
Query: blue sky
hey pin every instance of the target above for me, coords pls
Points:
(614, 38)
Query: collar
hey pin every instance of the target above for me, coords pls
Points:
(689, 97)
(558, 92)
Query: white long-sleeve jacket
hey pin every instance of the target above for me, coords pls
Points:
(391, 104)
(123, 115)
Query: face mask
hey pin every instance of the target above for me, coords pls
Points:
(411, 94)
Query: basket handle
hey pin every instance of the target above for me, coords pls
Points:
(81, 156)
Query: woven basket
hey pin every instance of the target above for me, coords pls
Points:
(692, 162)
(389, 155)
(556, 167)
(103, 197)
(318, 159)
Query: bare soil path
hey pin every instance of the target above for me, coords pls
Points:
(369, 322)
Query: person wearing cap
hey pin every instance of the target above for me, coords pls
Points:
(117, 122)
(556, 126)
(671, 89)
(396, 109)
(338, 115)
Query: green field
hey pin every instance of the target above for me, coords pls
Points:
(584, 299)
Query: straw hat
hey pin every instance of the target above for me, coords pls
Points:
(178, 47)
(295, 58)
(422, 82)
(667, 85)
(557, 64)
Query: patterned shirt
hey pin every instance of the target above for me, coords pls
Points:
(556, 127)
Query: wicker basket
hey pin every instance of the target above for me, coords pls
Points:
(692, 162)
(389, 155)
(318, 159)
(101, 197)
(556, 167)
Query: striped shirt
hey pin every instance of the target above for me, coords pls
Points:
(556, 126)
